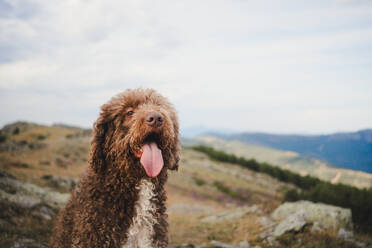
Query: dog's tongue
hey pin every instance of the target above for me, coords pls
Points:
(151, 159)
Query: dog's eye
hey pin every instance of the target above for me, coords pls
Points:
(130, 112)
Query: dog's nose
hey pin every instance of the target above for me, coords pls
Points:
(154, 119)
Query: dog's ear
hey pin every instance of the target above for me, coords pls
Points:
(100, 133)
(176, 157)
(176, 150)
(97, 156)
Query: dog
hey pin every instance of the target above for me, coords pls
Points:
(120, 200)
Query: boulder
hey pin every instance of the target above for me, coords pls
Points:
(294, 222)
(29, 195)
(327, 216)
(29, 243)
(67, 184)
(217, 244)
(345, 235)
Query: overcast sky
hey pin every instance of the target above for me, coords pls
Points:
(273, 66)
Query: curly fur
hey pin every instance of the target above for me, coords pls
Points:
(116, 202)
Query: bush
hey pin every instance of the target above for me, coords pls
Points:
(224, 189)
(291, 195)
(2, 138)
(199, 181)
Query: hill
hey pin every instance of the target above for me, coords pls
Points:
(288, 160)
(345, 150)
(207, 200)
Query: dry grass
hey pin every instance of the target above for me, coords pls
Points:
(192, 192)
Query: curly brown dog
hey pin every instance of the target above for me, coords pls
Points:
(120, 201)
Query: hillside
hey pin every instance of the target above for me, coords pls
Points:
(346, 150)
(289, 160)
(207, 200)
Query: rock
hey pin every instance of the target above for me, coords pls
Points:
(294, 222)
(316, 227)
(243, 244)
(20, 145)
(67, 184)
(265, 235)
(266, 222)
(28, 243)
(232, 214)
(217, 244)
(328, 216)
(345, 235)
(44, 213)
(29, 195)
(187, 246)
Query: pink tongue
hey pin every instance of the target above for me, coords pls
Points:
(151, 159)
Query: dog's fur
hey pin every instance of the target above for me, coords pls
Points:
(116, 204)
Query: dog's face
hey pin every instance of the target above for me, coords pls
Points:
(136, 125)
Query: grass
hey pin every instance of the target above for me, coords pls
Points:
(226, 190)
(199, 181)
(310, 240)
(19, 223)
(211, 185)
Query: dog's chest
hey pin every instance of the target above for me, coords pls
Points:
(141, 232)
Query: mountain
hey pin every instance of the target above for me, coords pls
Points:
(194, 131)
(345, 150)
(288, 160)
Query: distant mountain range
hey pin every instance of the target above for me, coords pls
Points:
(195, 131)
(346, 150)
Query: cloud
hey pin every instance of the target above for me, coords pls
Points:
(274, 62)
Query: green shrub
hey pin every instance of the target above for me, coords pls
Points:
(199, 181)
(2, 138)
(16, 131)
(224, 189)
(41, 137)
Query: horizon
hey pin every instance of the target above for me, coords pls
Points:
(206, 128)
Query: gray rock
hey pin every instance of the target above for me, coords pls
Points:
(345, 235)
(266, 222)
(28, 243)
(265, 235)
(316, 227)
(44, 213)
(294, 222)
(232, 214)
(243, 244)
(188, 246)
(29, 195)
(217, 244)
(328, 216)
(60, 182)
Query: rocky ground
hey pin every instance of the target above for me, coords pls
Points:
(210, 204)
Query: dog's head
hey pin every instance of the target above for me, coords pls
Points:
(136, 125)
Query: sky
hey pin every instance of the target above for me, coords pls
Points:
(271, 66)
